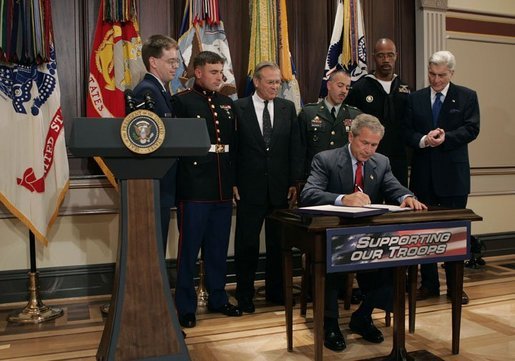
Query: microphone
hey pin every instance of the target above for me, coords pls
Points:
(130, 104)
(149, 101)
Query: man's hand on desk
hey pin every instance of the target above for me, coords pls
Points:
(356, 199)
(413, 203)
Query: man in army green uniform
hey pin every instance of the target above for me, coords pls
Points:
(324, 125)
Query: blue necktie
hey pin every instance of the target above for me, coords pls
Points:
(437, 105)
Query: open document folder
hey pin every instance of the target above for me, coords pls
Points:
(351, 212)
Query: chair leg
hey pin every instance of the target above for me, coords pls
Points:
(412, 296)
(305, 283)
(387, 319)
(349, 281)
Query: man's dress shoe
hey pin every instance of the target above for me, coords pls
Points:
(246, 305)
(365, 327)
(464, 298)
(424, 293)
(227, 309)
(188, 320)
(333, 338)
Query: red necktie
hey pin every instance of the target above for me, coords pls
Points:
(358, 179)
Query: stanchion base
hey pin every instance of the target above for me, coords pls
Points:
(202, 298)
(105, 309)
(35, 315)
(420, 355)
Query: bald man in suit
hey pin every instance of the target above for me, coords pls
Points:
(268, 165)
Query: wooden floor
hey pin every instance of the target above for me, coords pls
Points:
(488, 328)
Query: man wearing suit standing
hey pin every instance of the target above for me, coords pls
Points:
(204, 192)
(268, 164)
(440, 122)
(160, 56)
(354, 175)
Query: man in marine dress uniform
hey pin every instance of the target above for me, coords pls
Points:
(204, 192)
(383, 94)
(324, 125)
(160, 56)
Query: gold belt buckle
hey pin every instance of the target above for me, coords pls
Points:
(219, 148)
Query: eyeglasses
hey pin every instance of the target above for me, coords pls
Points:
(171, 61)
(383, 56)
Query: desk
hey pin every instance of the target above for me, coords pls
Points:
(309, 235)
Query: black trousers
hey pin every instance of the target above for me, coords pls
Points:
(429, 272)
(376, 287)
(249, 221)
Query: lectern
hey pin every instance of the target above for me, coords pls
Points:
(142, 321)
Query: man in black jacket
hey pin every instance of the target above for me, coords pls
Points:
(268, 164)
(383, 94)
(160, 56)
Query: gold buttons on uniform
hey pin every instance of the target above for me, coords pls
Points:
(333, 132)
(332, 143)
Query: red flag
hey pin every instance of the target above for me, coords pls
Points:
(115, 65)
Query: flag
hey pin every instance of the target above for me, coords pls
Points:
(269, 42)
(115, 63)
(35, 175)
(206, 32)
(347, 48)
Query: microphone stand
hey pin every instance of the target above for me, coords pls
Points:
(35, 311)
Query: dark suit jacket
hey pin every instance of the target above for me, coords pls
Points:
(264, 176)
(448, 164)
(331, 175)
(162, 100)
(209, 177)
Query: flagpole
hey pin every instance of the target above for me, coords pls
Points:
(35, 311)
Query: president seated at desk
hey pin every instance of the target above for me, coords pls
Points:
(355, 175)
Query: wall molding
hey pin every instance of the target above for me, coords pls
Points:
(94, 280)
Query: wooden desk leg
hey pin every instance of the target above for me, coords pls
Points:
(288, 296)
(399, 297)
(412, 296)
(457, 280)
(318, 308)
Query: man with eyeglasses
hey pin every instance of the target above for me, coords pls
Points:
(160, 56)
(268, 165)
(383, 94)
(326, 124)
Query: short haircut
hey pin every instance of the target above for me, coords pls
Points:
(207, 57)
(339, 71)
(154, 45)
(443, 57)
(261, 66)
(366, 121)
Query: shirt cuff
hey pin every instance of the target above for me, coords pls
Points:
(339, 200)
(422, 142)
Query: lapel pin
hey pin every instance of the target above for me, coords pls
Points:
(371, 177)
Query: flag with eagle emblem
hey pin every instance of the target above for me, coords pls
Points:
(347, 48)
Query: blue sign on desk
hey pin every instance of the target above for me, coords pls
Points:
(361, 248)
